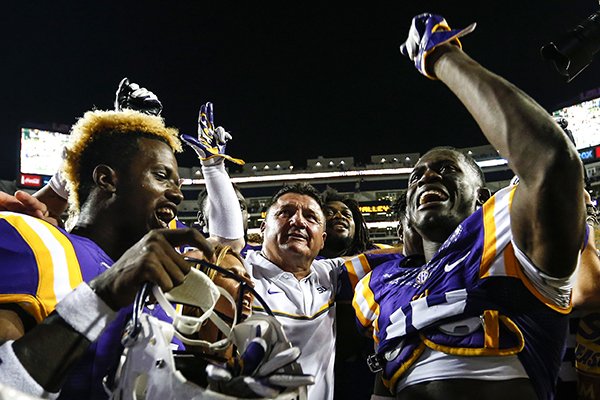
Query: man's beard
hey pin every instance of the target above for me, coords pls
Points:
(338, 244)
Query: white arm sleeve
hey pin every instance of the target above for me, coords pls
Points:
(58, 184)
(16, 377)
(224, 216)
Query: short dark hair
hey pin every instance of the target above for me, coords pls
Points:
(361, 241)
(95, 139)
(302, 188)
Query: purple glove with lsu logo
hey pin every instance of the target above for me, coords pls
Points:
(211, 141)
(428, 31)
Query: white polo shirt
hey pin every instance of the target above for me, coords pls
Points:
(306, 309)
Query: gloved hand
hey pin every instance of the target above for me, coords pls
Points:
(267, 366)
(211, 141)
(129, 95)
(428, 31)
(132, 96)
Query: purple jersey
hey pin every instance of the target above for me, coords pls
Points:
(476, 273)
(39, 265)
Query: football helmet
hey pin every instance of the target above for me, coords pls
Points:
(263, 361)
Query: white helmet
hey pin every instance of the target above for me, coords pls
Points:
(148, 368)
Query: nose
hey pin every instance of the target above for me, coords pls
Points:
(174, 194)
(429, 175)
(334, 214)
(298, 219)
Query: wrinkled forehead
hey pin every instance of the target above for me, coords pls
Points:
(297, 200)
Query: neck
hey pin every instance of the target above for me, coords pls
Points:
(103, 231)
(332, 253)
(335, 248)
(430, 248)
(298, 266)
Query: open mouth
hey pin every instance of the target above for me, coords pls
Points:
(295, 235)
(339, 224)
(164, 215)
(247, 304)
(431, 196)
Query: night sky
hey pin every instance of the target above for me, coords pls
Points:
(289, 80)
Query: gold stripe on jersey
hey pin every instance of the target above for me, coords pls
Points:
(497, 236)
(30, 304)
(491, 329)
(521, 275)
(322, 310)
(491, 338)
(173, 223)
(32, 231)
(489, 237)
(365, 306)
(45, 297)
(391, 383)
(357, 267)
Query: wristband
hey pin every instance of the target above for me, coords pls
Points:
(224, 215)
(87, 313)
(15, 376)
(58, 184)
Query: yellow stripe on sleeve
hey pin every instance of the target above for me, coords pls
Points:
(489, 237)
(43, 259)
(357, 268)
(364, 302)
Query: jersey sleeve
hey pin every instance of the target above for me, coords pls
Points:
(38, 265)
(355, 268)
(364, 304)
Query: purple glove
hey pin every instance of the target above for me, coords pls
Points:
(133, 97)
(211, 141)
(426, 33)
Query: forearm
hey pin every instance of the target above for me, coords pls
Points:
(511, 121)
(547, 213)
(48, 351)
(224, 217)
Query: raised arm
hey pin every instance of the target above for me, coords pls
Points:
(547, 213)
(225, 222)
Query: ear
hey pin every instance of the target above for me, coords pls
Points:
(105, 178)
(400, 232)
(323, 244)
(483, 195)
(262, 227)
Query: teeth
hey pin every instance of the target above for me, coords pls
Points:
(432, 195)
(165, 214)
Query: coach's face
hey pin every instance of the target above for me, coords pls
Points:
(294, 228)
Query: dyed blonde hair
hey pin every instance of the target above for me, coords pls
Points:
(96, 124)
